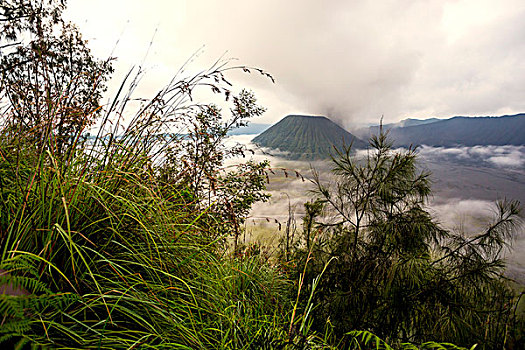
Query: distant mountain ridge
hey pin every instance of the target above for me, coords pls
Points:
(460, 131)
(306, 137)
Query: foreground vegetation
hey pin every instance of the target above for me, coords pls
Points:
(129, 238)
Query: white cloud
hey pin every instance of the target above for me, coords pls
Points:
(463, 215)
(509, 157)
(513, 160)
(353, 60)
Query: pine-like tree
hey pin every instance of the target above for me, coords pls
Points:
(392, 269)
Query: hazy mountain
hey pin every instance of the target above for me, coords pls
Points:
(372, 129)
(306, 137)
(413, 122)
(407, 122)
(250, 129)
(466, 131)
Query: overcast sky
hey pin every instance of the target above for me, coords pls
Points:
(351, 60)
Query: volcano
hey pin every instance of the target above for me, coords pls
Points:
(304, 137)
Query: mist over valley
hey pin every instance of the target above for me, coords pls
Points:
(466, 180)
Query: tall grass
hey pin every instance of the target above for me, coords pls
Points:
(107, 255)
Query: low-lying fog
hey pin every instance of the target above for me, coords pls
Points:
(466, 182)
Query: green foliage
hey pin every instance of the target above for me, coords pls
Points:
(48, 76)
(196, 161)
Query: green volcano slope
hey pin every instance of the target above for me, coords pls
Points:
(306, 137)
